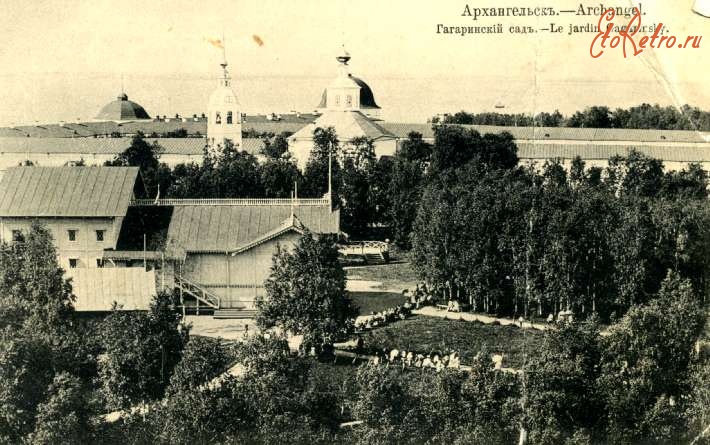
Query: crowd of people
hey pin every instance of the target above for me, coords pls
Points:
(382, 318)
(395, 357)
(420, 297)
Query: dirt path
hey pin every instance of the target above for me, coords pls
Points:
(431, 311)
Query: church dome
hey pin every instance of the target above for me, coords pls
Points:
(122, 109)
(367, 98)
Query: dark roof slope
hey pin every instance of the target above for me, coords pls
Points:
(67, 191)
(227, 228)
(122, 109)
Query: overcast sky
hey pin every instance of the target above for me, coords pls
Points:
(61, 60)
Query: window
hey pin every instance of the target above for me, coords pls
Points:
(349, 101)
(100, 235)
(16, 236)
(217, 118)
(229, 117)
(73, 262)
(99, 262)
(72, 234)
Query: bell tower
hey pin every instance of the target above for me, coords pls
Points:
(224, 118)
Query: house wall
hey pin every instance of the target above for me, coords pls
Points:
(8, 160)
(238, 279)
(604, 163)
(85, 249)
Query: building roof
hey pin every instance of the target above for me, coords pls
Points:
(231, 228)
(591, 151)
(402, 130)
(111, 146)
(122, 109)
(193, 125)
(97, 289)
(67, 191)
(348, 125)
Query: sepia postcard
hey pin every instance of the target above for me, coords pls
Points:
(355, 222)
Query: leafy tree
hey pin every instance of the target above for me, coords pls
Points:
(455, 146)
(545, 119)
(235, 174)
(33, 290)
(698, 412)
(202, 360)
(277, 147)
(305, 293)
(145, 156)
(645, 364)
(326, 151)
(405, 187)
(559, 384)
(278, 177)
(63, 417)
(139, 154)
(357, 179)
(414, 148)
(137, 367)
(25, 369)
(644, 116)
(592, 117)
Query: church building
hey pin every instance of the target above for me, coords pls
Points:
(348, 106)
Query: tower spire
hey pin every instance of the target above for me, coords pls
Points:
(344, 56)
(225, 73)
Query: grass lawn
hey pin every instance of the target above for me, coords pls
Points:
(427, 334)
(392, 275)
(375, 301)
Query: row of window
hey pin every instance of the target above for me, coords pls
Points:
(71, 235)
(74, 262)
(218, 118)
(348, 100)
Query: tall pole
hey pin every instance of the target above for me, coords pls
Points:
(330, 177)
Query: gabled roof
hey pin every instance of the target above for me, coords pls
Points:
(234, 228)
(67, 191)
(291, 224)
(348, 125)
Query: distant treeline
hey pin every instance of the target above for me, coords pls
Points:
(644, 116)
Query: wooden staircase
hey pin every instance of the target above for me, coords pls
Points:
(376, 258)
(372, 252)
(209, 302)
(199, 293)
(234, 314)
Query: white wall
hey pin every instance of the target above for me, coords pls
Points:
(85, 249)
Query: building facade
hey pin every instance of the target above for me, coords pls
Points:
(217, 252)
(83, 208)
